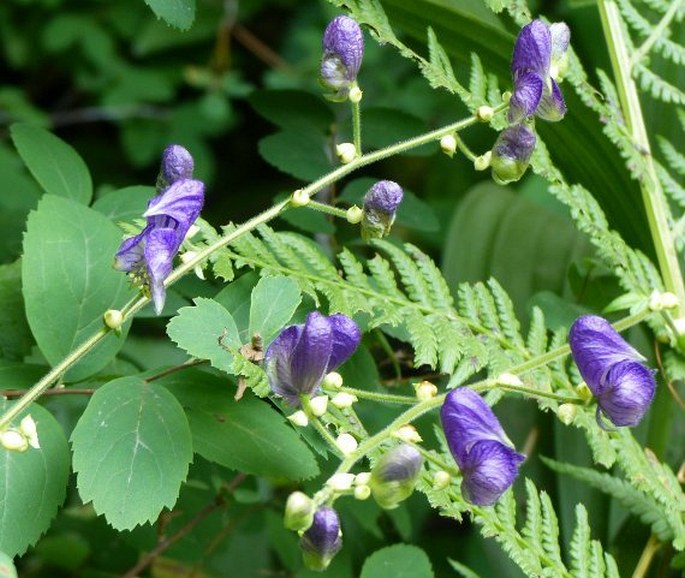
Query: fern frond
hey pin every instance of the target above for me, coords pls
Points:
(533, 530)
(581, 545)
(671, 187)
(676, 160)
(478, 83)
(438, 71)
(440, 293)
(550, 537)
(414, 284)
(657, 86)
(251, 373)
(536, 341)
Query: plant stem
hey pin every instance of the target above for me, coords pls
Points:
(652, 193)
(646, 558)
(357, 127)
(328, 209)
(377, 396)
(528, 391)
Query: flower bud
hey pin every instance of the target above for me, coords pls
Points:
(341, 482)
(441, 480)
(362, 492)
(343, 49)
(425, 390)
(346, 152)
(177, 164)
(27, 427)
(380, 205)
(13, 441)
(355, 95)
(299, 512)
(483, 161)
(113, 319)
(299, 418)
(354, 215)
(561, 37)
(394, 475)
(323, 540)
(408, 433)
(485, 113)
(344, 400)
(332, 380)
(566, 413)
(299, 198)
(362, 479)
(659, 301)
(318, 405)
(346, 443)
(583, 391)
(511, 153)
(448, 145)
(509, 379)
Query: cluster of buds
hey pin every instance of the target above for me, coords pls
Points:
(21, 438)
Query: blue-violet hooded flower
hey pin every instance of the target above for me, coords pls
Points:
(343, 49)
(394, 475)
(486, 457)
(613, 370)
(177, 164)
(300, 357)
(380, 207)
(323, 540)
(149, 256)
(511, 153)
(539, 57)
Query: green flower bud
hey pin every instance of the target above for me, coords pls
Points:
(299, 512)
(394, 475)
(511, 153)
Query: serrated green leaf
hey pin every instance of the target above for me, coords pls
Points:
(293, 109)
(124, 205)
(273, 303)
(177, 13)
(246, 435)
(398, 561)
(132, 448)
(33, 483)
(69, 282)
(15, 337)
(54, 164)
(206, 330)
(301, 153)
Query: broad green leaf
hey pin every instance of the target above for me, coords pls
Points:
(526, 247)
(54, 164)
(246, 435)
(293, 109)
(398, 561)
(274, 301)
(300, 153)
(32, 483)
(132, 448)
(125, 205)
(69, 282)
(15, 337)
(177, 13)
(7, 569)
(235, 297)
(206, 330)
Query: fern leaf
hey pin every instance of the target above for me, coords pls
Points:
(550, 537)
(412, 279)
(423, 336)
(581, 550)
(507, 321)
(438, 71)
(671, 187)
(222, 266)
(658, 87)
(440, 295)
(478, 84)
(354, 270)
(253, 374)
(676, 160)
(536, 341)
(533, 529)
(383, 276)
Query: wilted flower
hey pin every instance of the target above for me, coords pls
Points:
(299, 358)
(612, 369)
(177, 164)
(394, 475)
(323, 540)
(149, 255)
(487, 460)
(343, 48)
(380, 205)
(511, 153)
(536, 91)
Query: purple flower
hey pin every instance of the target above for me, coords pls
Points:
(487, 460)
(511, 153)
(177, 164)
(394, 475)
(148, 256)
(343, 49)
(300, 357)
(539, 56)
(323, 540)
(380, 206)
(613, 370)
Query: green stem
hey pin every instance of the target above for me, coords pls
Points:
(357, 127)
(652, 193)
(377, 396)
(468, 153)
(527, 391)
(646, 558)
(328, 209)
(385, 345)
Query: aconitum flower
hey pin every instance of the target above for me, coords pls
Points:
(613, 370)
(177, 164)
(486, 457)
(539, 57)
(511, 153)
(380, 206)
(300, 357)
(343, 49)
(394, 475)
(149, 256)
(323, 540)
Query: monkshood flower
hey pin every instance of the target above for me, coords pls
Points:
(613, 370)
(177, 164)
(148, 257)
(511, 153)
(323, 540)
(380, 206)
(343, 49)
(300, 357)
(486, 457)
(394, 475)
(539, 57)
